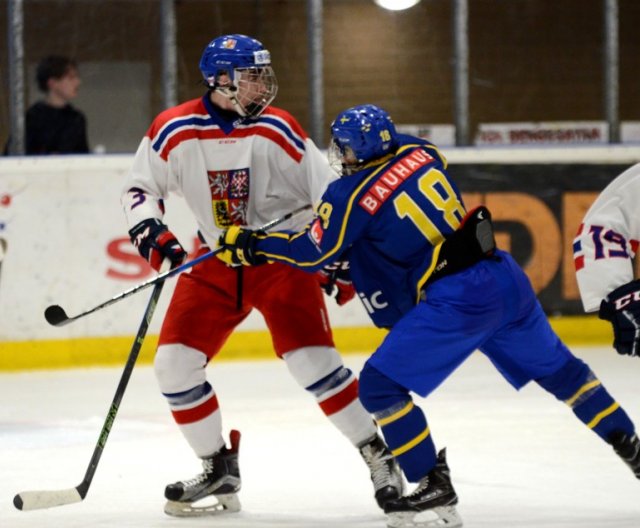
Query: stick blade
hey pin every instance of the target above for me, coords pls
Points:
(38, 500)
(56, 316)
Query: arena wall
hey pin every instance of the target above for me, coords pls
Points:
(66, 243)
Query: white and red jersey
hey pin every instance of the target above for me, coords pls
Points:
(608, 239)
(230, 170)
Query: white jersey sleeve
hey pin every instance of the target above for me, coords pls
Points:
(145, 185)
(607, 239)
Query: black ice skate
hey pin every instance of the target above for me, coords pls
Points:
(431, 505)
(385, 472)
(628, 449)
(215, 489)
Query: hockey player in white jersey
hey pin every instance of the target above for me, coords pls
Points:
(237, 160)
(606, 242)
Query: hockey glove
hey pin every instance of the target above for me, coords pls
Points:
(156, 244)
(337, 277)
(622, 308)
(239, 247)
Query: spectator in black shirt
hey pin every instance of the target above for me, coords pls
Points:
(52, 125)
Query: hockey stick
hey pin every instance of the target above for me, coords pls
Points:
(37, 500)
(56, 316)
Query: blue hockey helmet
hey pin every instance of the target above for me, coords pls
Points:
(250, 81)
(361, 134)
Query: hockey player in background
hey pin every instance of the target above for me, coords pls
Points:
(428, 269)
(606, 242)
(238, 161)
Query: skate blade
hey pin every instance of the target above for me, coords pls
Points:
(209, 506)
(440, 517)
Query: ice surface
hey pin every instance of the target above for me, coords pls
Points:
(517, 459)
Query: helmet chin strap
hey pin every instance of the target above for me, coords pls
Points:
(230, 93)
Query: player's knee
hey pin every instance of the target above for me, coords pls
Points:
(378, 392)
(568, 379)
(179, 368)
(314, 367)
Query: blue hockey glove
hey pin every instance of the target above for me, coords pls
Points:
(337, 277)
(239, 247)
(155, 243)
(622, 309)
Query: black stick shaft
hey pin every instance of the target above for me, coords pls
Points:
(83, 487)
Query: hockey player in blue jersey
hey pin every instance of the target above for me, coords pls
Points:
(429, 271)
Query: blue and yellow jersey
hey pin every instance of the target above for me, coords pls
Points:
(388, 220)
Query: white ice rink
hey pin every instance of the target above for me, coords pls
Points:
(517, 459)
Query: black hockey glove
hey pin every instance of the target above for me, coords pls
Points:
(155, 243)
(239, 247)
(622, 308)
(337, 277)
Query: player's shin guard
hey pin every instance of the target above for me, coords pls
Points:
(580, 389)
(403, 424)
(338, 398)
(320, 371)
(192, 400)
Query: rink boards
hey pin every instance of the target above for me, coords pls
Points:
(65, 242)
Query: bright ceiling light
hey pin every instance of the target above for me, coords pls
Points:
(396, 5)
